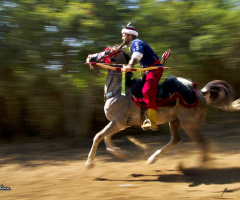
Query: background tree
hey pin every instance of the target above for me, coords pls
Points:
(47, 91)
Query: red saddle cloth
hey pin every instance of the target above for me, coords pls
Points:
(171, 100)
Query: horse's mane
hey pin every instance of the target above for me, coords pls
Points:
(126, 55)
(136, 84)
(129, 81)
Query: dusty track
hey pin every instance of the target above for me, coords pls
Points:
(55, 170)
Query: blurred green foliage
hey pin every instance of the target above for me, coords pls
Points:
(47, 91)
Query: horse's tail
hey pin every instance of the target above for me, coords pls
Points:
(220, 94)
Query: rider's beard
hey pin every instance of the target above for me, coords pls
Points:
(126, 42)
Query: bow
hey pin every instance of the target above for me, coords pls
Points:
(123, 90)
(119, 68)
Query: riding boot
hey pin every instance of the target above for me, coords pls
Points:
(151, 122)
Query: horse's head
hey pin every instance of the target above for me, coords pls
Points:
(92, 58)
(109, 55)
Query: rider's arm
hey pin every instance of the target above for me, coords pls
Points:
(137, 49)
(136, 57)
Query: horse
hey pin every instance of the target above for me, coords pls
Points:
(122, 112)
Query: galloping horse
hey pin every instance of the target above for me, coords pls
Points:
(122, 112)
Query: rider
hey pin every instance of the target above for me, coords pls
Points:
(143, 53)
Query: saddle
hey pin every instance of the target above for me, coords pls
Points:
(168, 92)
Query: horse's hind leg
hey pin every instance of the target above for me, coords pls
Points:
(174, 140)
(193, 131)
(110, 129)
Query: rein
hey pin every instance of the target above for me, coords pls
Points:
(108, 58)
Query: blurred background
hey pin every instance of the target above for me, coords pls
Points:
(46, 90)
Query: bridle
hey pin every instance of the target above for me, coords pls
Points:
(107, 57)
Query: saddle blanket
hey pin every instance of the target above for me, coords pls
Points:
(168, 92)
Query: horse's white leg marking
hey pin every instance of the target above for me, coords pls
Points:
(174, 140)
(110, 129)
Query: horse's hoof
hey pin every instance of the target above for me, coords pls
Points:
(151, 160)
(89, 164)
(117, 152)
(122, 155)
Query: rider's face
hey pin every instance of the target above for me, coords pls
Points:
(125, 38)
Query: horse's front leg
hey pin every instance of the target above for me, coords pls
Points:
(110, 129)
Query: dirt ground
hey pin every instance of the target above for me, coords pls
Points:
(55, 170)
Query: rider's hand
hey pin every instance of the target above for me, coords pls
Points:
(126, 68)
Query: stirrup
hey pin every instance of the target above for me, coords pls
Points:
(150, 127)
(144, 123)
